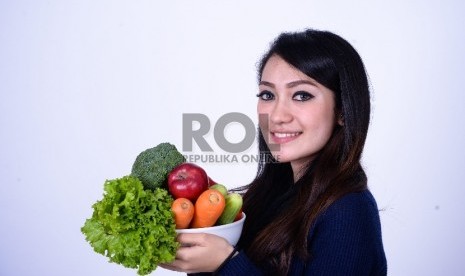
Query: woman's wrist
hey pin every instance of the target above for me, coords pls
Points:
(233, 253)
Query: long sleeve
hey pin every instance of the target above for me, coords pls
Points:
(346, 239)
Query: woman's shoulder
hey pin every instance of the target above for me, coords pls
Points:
(355, 202)
(354, 210)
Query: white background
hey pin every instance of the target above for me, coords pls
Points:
(86, 85)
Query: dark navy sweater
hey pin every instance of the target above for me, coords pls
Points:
(345, 240)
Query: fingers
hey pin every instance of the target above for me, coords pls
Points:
(169, 267)
(174, 266)
(183, 253)
(192, 239)
(199, 252)
(179, 265)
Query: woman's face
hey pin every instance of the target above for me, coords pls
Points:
(299, 113)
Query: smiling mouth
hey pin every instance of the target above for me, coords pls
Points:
(284, 137)
(285, 134)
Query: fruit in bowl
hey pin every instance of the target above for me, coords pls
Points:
(231, 231)
(187, 180)
(204, 206)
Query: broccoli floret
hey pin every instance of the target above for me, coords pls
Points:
(153, 165)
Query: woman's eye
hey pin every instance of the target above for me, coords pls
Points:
(302, 96)
(265, 95)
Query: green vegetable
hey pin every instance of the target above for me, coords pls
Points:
(220, 188)
(232, 208)
(132, 226)
(153, 165)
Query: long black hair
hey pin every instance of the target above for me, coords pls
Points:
(280, 212)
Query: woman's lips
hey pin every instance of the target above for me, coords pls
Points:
(284, 137)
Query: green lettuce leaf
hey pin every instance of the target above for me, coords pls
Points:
(132, 226)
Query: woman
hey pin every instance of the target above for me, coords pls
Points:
(309, 211)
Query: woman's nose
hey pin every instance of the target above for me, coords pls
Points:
(281, 113)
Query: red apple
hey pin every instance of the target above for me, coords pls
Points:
(187, 180)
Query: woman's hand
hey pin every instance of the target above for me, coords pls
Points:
(199, 253)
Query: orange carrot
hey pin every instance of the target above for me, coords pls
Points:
(208, 208)
(183, 210)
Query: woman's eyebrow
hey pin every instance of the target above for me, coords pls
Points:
(267, 84)
(299, 82)
(291, 84)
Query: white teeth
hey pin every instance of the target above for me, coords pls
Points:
(284, 135)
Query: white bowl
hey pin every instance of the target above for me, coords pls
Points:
(231, 231)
